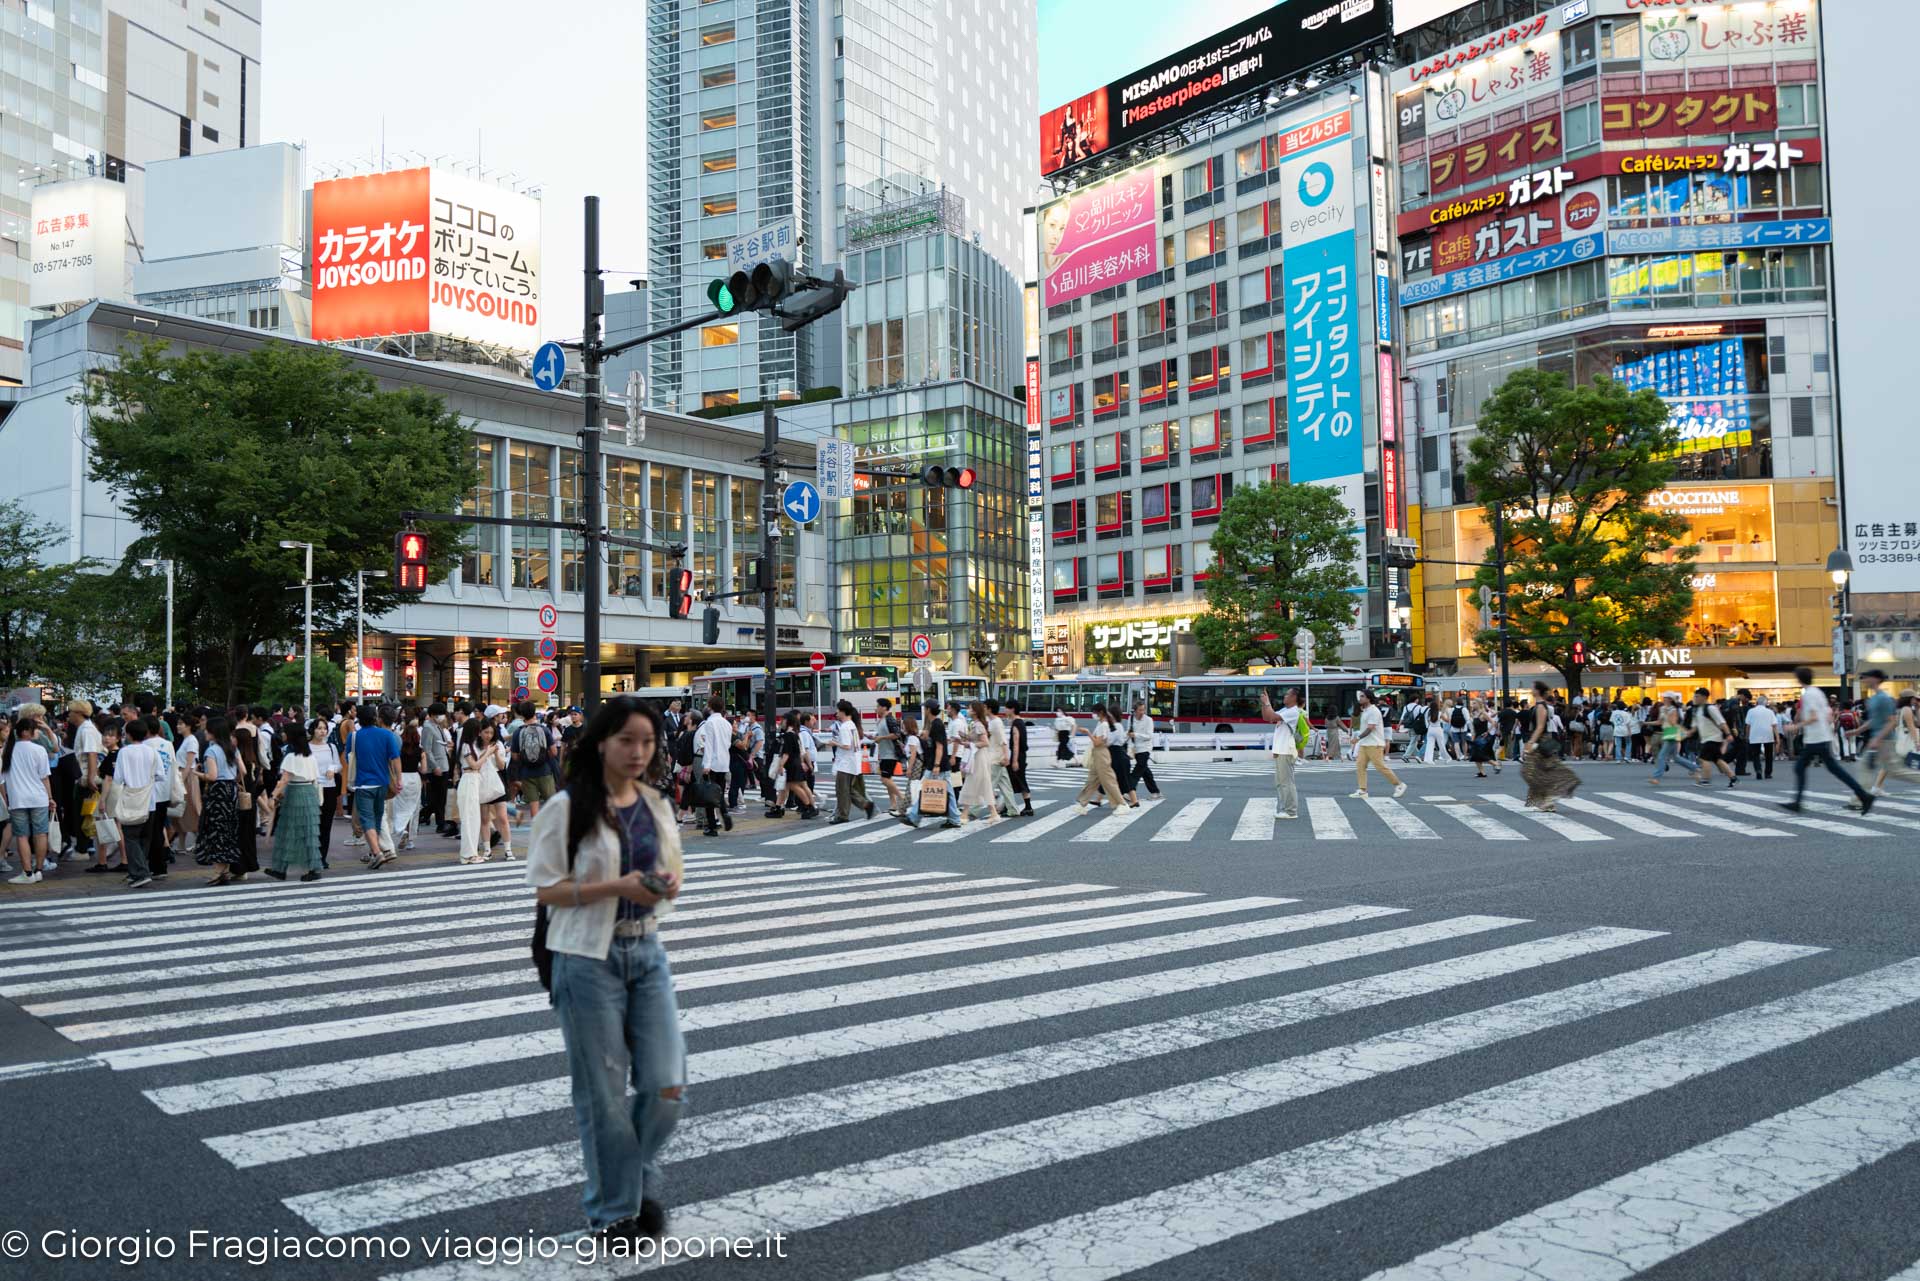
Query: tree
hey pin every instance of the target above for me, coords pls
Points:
(68, 624)
(1283, 558)
(218, 456)
(285, 683)
(1570, 470)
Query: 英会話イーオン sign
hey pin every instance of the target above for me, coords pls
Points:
(420, 251)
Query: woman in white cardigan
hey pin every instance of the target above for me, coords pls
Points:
(605, 864)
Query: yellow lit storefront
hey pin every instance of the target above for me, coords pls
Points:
(1760, 604)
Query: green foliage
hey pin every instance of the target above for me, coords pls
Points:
(67, 624)
(1571, 469)
(1282, 559)
(218, 456)
(284, 683)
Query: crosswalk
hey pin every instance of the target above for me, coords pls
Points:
(949, 1075)
(1604, 812)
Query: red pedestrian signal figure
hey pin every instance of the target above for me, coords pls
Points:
(1579, 653)
(410, 561)
(679, 592)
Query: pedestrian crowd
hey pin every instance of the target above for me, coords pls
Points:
(134, 788)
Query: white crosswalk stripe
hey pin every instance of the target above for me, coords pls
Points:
(1256, 820)
(1029, 1023)
(1552, 822)
(1329, 822)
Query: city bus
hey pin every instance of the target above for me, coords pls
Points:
(944, 688)
(1215, 705)
(1078, 696)
(801, 689)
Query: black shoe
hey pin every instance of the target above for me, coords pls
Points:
(159, 876)
(1792, 807)
(1866, 806)
(773, 813)
(832, 821)
(727, 818)
(274, 872)
(1025, 813)
(709, 831)
(99, 867)
(870, 809)
(652, 1219)
(310, 876)
(949, 823)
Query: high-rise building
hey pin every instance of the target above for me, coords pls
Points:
(847, 119)
(101, 88)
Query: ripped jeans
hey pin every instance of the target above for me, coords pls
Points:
(620, 1023)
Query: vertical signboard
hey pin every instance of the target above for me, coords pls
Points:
(1036, 581)
(1389, 446)
(78, 248)
(486, 263)
(1324, 303)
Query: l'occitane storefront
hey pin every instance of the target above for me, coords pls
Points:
(1760, 589)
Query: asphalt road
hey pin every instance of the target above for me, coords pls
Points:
(1443, 1038)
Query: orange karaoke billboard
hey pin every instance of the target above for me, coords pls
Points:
(419, 251)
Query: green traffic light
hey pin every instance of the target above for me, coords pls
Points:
(722, 297)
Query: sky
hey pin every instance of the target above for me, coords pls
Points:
(553, 93)
(1088, 43)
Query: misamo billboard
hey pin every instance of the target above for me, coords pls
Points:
(1107, 37)
(421, 251)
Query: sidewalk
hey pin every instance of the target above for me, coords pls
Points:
(72, 880)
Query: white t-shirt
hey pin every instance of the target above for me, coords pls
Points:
(1140, 734)
(1286, 733)
(1622, 723)
(87, 739)
(27, 776)
(1816, 717)
(1761, 721)
(1707, 722)
(846, 748)
(1372, 732)
(809, 746)
(326, 762)
(137, 765)
(188, 752)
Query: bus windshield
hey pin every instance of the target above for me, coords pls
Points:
(880, 680)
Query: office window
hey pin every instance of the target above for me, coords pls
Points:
(715, 77)
(1160, 564)
(719, 34)
(720, 335)
(477, 568)
(715, 206)
(1203, 304)
(1110, 393)
(1065, 461)
(1250, 224)
(1066, 575)
(714, 251)
(714, 399)
(209, 133)
(1106, 453)
(719, 162)
(722, 118)
(209, 97)
(1256, 354)
(529, 484)
(1250, 159)
(1110, 512)
(1254, 288)
(212, 17)
(1207, 238)
(1202, 560)
(1159, 441)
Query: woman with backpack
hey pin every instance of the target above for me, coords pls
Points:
(605, 866)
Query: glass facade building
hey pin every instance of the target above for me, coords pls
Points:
(933, 340)
(832, 115)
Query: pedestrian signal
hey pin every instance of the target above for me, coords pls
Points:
(410, 561)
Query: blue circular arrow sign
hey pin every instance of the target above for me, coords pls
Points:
(801, 501)
(549, 366)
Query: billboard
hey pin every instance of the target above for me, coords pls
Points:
(1100, 237)
(420, 251)
(1323, 299)
(77, 247)
(1874, 325)
(1705, 388)
(1144, 94)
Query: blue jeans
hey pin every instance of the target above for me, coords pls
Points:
(620, 1023)
(953, 800)
(1669, 748)
(31, 822)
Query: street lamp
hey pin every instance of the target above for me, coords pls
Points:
(360, 577)
(306, 684)
(167, 697)
(1840, 569)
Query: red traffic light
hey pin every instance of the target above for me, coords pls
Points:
(1579, 653)
(934, 476)
(410, 561)
(960, 477)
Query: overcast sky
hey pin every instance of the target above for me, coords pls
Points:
(554, 93)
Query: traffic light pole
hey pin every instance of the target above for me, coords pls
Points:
(770, 565)
(1500, 585)
(590, 360)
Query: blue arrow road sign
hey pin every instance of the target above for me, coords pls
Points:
(801, 502)
(549, 366)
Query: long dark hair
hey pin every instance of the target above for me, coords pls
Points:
(249, 748)
(587, 800)
(219, 733)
